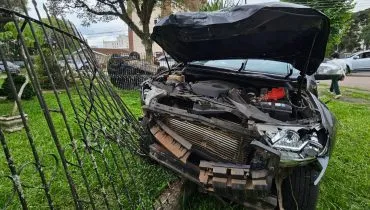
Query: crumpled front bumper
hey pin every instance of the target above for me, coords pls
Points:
(249, 185)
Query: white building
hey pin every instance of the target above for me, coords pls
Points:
(120, 43)
(135, 43)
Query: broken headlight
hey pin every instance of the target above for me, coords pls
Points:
(295, 145)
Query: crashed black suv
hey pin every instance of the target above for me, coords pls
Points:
(236, 116)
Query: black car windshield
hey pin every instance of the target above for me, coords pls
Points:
(251, 65)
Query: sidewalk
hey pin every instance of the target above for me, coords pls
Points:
(355, 80)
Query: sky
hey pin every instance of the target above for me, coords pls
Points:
(108, 31)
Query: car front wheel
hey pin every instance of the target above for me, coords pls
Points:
(348, 70)
(298, 189)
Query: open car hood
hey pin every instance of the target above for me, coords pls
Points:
(274, 31)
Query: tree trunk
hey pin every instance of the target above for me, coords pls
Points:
(20, 93)
(147, 42)
(194, 5)
(148, 45)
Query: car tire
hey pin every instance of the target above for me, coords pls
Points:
(298, 189)
(348, 70)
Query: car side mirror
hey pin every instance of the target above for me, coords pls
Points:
(356, 57)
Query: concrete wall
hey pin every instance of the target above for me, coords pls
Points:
(135, 43)
(120, 43)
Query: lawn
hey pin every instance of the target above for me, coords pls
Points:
(150, 179)
(346, 184)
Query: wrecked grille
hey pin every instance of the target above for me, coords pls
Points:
(213, 141)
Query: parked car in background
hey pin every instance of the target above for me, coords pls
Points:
(330, 69)
(359, 61)
(19, 63)
(14, 69)
(79, 65)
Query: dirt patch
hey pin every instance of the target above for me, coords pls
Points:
(347, 96)
(354, 100)
(171, 197)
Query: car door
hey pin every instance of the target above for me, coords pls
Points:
(362, 62)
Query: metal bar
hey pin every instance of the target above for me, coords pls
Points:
(73, 143)
(28, 64)
(102, 151)
(15, 177)
(47, 114)
(123, 108)
(93, 158)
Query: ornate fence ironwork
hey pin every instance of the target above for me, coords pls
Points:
(80, 144)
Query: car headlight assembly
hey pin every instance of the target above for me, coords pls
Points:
(294, 146)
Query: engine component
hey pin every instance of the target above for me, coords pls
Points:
(149, 94)
(170, 143)
(276, 107)
(274, 94)
(212, 141)
(212, 88)
(176, 78)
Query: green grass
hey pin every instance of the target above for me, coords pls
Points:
(346, 184)
(150, 179)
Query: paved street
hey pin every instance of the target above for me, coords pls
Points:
(355, 80)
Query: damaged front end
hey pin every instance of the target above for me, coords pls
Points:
(235, 116)
(232, 139)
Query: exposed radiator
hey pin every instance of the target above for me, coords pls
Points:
(217, 142)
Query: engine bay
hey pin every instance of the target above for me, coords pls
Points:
(222, 117)
(210, 130)
(219, 98)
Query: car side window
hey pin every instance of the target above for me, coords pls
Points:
(366, 55)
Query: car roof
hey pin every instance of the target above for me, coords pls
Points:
(364, 51)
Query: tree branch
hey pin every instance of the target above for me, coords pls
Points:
(93, 11)
(137, 7)
(110, 4)
(126, 18)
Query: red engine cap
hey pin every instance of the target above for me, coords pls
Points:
(274, 94)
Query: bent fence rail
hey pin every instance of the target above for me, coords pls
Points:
(79, 144)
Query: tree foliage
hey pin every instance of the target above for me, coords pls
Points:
(10, 40)
(365, 35)
(351, 40)
(358, 32)
(107, 10)
(14, 4)
(18, 80)
(214, 5)
(92, 11)
(340, 15)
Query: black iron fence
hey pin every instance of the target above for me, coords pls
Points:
(77, 142)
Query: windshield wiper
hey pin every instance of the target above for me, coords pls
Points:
(244, 64)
